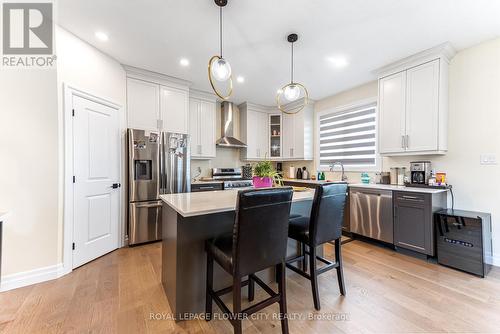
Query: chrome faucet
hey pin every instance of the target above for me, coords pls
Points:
(344, 177)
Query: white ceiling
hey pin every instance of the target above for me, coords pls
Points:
(155, 34)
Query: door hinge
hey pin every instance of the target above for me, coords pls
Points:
(73, 246)
(74, 179)
(73, 112)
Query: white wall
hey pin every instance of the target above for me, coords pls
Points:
(473, 129)
(28, 168)
(31, 147)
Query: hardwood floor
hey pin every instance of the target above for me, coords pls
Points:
(386, 293)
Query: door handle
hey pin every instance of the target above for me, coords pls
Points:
(407, 141)
(403, 142)
(116, 185)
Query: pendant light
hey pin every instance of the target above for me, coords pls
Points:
(292, 91)
(218, 67)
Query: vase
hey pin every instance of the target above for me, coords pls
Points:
(262, 182)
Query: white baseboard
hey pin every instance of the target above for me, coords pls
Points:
(29, 277)
(493, 260)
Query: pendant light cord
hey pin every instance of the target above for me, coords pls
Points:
(291, 80)
(220, 30)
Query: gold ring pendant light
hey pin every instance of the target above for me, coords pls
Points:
(292, 91)
(219, 68)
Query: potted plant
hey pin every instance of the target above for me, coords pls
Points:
(265, 175)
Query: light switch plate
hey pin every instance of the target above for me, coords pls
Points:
(488, 159)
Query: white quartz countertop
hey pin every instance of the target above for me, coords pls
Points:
(306, 181)
(202, 203)
(375, 186)
(397, 188)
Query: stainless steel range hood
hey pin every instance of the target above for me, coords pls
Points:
(227, 127)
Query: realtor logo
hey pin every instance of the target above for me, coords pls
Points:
(28, 30)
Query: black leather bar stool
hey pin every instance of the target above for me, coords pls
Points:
(258, 241)
(324, 225)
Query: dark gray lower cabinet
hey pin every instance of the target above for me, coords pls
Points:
(413, 220)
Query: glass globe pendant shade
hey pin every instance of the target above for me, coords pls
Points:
(292, 92)
(221, 70)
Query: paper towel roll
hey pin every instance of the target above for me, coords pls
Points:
(291, 172)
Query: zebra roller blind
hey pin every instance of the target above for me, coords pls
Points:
(349, 137)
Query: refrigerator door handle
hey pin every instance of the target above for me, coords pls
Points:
(156, 205)
(162, 163)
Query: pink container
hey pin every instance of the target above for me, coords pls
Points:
(262, 182)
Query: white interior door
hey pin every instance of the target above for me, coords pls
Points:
(96, 168)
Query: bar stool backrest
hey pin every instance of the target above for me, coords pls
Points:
(260, 232)
(327, 213)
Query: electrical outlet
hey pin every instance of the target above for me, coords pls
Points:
(488, 159)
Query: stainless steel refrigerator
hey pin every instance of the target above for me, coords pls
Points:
(158, 163)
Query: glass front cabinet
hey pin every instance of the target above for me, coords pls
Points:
(275, 137)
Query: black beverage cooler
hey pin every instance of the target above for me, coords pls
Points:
(464, 240)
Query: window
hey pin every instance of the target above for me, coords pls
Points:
(349, 136)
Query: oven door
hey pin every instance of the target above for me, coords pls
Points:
(145, 222)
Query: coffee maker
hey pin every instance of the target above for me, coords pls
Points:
(420, 172)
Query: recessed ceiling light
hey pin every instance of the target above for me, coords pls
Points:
(338, 62)
(101, 36)
(240, 79)
(184, 62)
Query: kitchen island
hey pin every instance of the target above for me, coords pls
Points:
(188, 219)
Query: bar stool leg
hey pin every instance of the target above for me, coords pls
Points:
(280, 268)
(314, 277)
(209, 288)
(237, 304)
(251, 289)
(304, 260)
(340, 271)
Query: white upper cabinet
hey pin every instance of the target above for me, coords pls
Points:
(413, 104)
(422, 107)
(156, 102)
(174, 109)
(288, 148)
(254, 129)
(294, 134)
(143, 104)
(202, 127)
(392, 124)
(298, 134)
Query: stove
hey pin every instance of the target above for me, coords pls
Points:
(232, 177)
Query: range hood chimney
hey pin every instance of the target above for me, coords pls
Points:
(227, 127)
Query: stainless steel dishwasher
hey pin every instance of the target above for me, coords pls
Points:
(371, 213)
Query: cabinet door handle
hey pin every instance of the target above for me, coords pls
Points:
(403, 142)
(407, 141)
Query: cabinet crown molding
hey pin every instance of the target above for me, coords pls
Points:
(444, 51)
(202, 95)
(159, 78)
